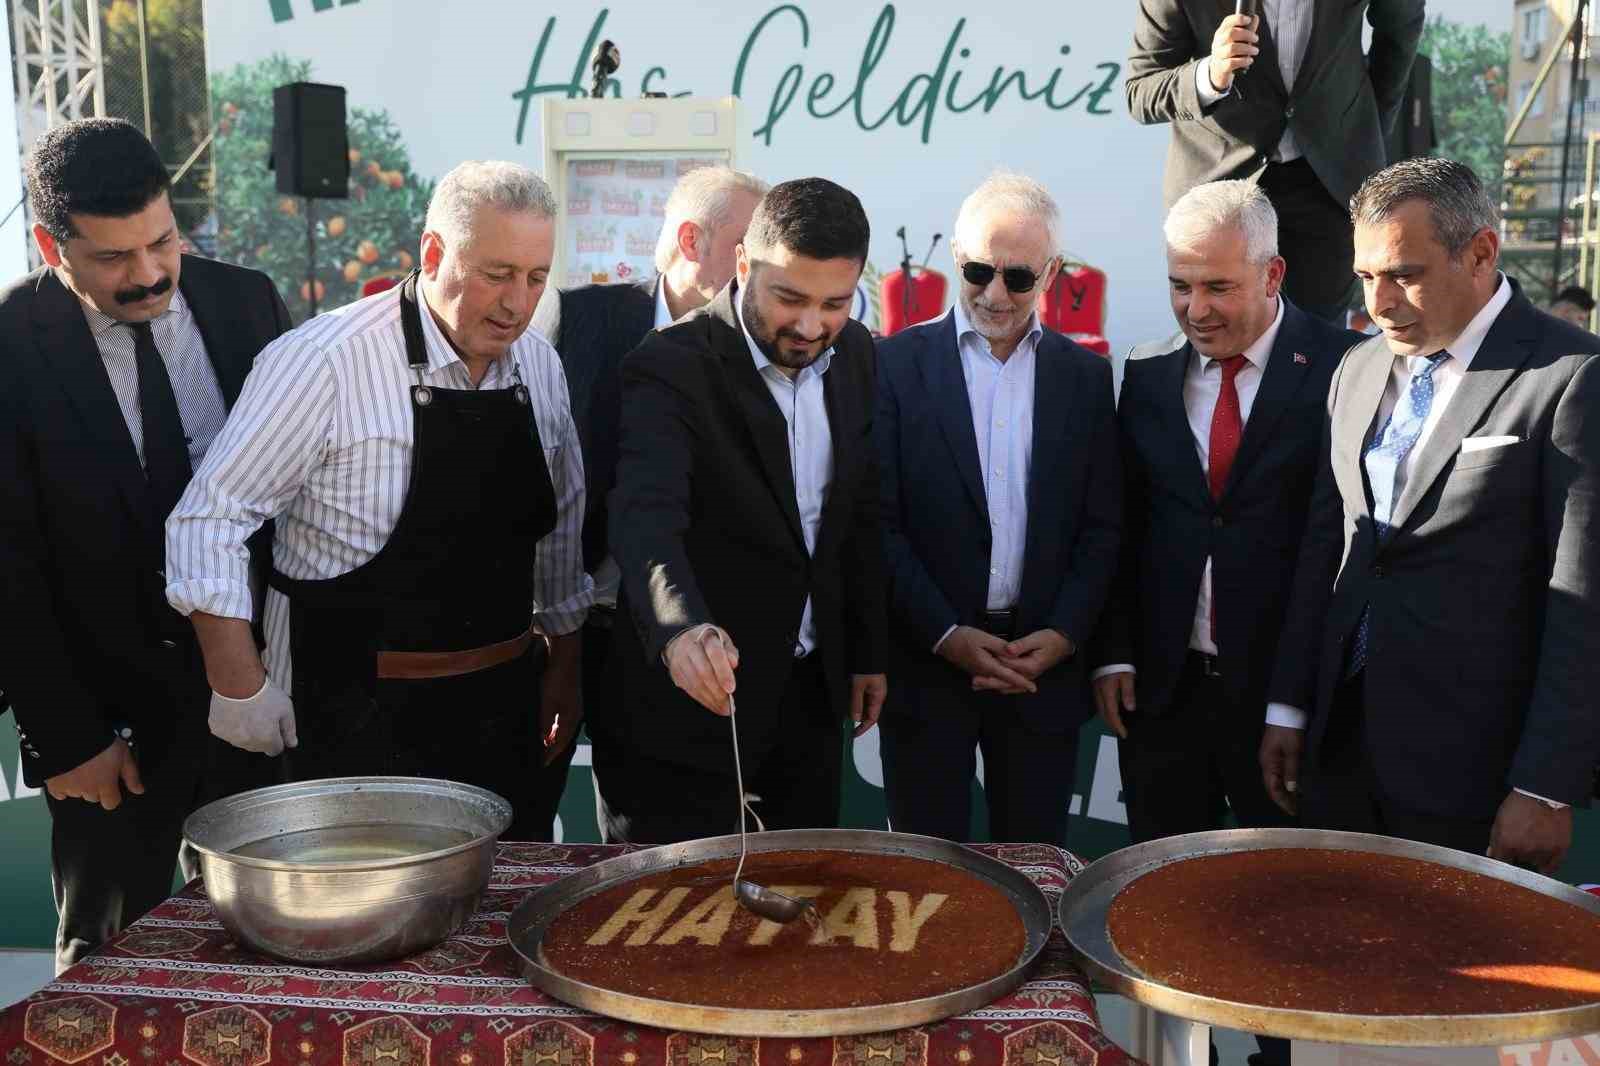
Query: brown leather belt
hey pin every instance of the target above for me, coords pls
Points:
(421, 665)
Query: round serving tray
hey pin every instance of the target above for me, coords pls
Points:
(544, 905)
(1085, 903)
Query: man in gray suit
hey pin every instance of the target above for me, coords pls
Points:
(1444, 636)
(1283, 97)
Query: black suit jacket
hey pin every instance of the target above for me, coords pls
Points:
(1252, 535)
(592, 327)
(1340, 107)
(80, 563)
(706, 529)
(1483, 665)
(936, 515)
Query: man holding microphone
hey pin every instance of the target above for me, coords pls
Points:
(1282, 95)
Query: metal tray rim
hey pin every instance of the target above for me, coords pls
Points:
(1084, 903)
(337, 786)
(526, 925)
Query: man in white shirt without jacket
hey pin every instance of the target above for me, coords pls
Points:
(418, 453)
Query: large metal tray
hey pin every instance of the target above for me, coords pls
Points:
(541, 907)
(1085, 903)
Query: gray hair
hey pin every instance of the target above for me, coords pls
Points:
(1459, 205)
(1224, 205)
(477, 184)
(703, 196)
(1013, 193)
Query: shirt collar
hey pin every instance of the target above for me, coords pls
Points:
(964, 326)
(663, 312)
(1259, 352)
(821, 365)
(100, 322)
(1466, 345)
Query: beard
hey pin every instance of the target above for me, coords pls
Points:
(767, 339)
(995, 324)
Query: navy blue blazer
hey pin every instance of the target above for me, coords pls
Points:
(1252, 535)
(936, 517)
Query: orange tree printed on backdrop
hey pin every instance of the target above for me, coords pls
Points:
(373, 232)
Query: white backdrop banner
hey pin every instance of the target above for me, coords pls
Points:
(907, 106)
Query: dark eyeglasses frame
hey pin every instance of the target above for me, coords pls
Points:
(1017, 279)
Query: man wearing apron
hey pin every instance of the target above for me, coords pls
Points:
(418, 452)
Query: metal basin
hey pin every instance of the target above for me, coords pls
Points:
(347, 869)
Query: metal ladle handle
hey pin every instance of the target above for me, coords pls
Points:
(738, 776)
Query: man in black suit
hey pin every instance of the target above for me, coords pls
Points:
(592, 327)
(745, 523)
(1444, 638)
(1284, 97)
(1002, 501)
(118, 363)
(1219, 429)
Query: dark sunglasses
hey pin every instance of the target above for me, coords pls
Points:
(1017, 279)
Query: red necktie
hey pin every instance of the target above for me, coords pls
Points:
(1226, 429)
(1226, 426)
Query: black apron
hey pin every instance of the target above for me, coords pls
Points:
(455, 574)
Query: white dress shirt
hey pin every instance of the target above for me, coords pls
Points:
(1000, 395)
(1202, 386)
(1446, 380)
(201, 408)
(1289, 22)
(805, 412)
(321, 438)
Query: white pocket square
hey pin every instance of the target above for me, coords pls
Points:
(1478, 444)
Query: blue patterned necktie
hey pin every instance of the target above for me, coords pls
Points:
(1383, 459)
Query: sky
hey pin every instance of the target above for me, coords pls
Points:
(1495, 14)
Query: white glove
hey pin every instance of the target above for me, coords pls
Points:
(264, 722)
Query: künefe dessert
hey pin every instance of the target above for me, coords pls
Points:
(1355, 933)
(890, 928)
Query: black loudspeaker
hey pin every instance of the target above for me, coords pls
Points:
(310, 144)
(1414, 134)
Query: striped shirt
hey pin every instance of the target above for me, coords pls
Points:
(201, 408)
(321, 439)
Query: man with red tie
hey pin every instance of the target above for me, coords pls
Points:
(1219, 429)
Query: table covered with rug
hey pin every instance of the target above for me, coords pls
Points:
(173, 988)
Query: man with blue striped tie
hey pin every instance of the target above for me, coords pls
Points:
(1444, 642)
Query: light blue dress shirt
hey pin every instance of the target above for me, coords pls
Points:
(1001, 397)
(805, 412)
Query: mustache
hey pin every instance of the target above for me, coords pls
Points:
(139, 293)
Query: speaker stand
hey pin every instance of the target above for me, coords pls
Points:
(311, 254)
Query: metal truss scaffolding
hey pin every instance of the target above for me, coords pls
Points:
(59, 64)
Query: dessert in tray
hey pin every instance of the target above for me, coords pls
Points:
(1355, 933)
(889, 928)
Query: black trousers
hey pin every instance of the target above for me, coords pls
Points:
(1339, 790)
(644, 798)
(929, 765)
(109, 867)
(480, 729)
(1315, 237)
(1183, 771)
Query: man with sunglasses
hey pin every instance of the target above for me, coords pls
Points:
(1002, 507)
